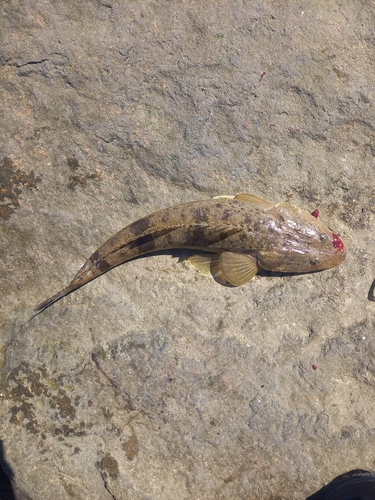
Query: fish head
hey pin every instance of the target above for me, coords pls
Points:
(302, 243)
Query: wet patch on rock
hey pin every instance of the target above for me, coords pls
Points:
(29, 389)
(130, 447)
(80, 179)
(109, 466)
(11, 182)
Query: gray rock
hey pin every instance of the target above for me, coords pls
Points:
(153, 382)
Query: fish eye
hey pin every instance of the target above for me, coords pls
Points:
(323, 237)
(314, 261)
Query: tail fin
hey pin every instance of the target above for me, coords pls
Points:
(43, 306)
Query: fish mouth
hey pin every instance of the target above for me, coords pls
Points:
(340, 250)
(337, 243)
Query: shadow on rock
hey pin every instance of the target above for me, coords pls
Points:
(8, 490)
(353, 485)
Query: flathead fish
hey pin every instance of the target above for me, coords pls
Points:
(242, 234)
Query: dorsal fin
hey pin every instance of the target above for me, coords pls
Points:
(251, 198)
(223, 197)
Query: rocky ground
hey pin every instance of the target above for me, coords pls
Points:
(153, 381)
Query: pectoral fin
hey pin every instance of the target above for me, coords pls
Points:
(206, 263)
(238, 268)
(251, 198)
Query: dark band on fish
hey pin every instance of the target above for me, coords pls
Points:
(100, 263)
(201, 215)
(140, 226)
(149, 239)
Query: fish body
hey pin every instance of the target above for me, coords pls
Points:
(242, 235)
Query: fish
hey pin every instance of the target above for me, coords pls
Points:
(233, 238)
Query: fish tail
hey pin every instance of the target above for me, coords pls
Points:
(44, 305)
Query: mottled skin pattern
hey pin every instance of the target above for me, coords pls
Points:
(280, 237)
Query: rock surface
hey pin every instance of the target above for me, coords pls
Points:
(154, 382)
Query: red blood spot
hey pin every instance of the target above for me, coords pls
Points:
(314, 367)
(337, 243)
(315, 213)
(261, 76)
